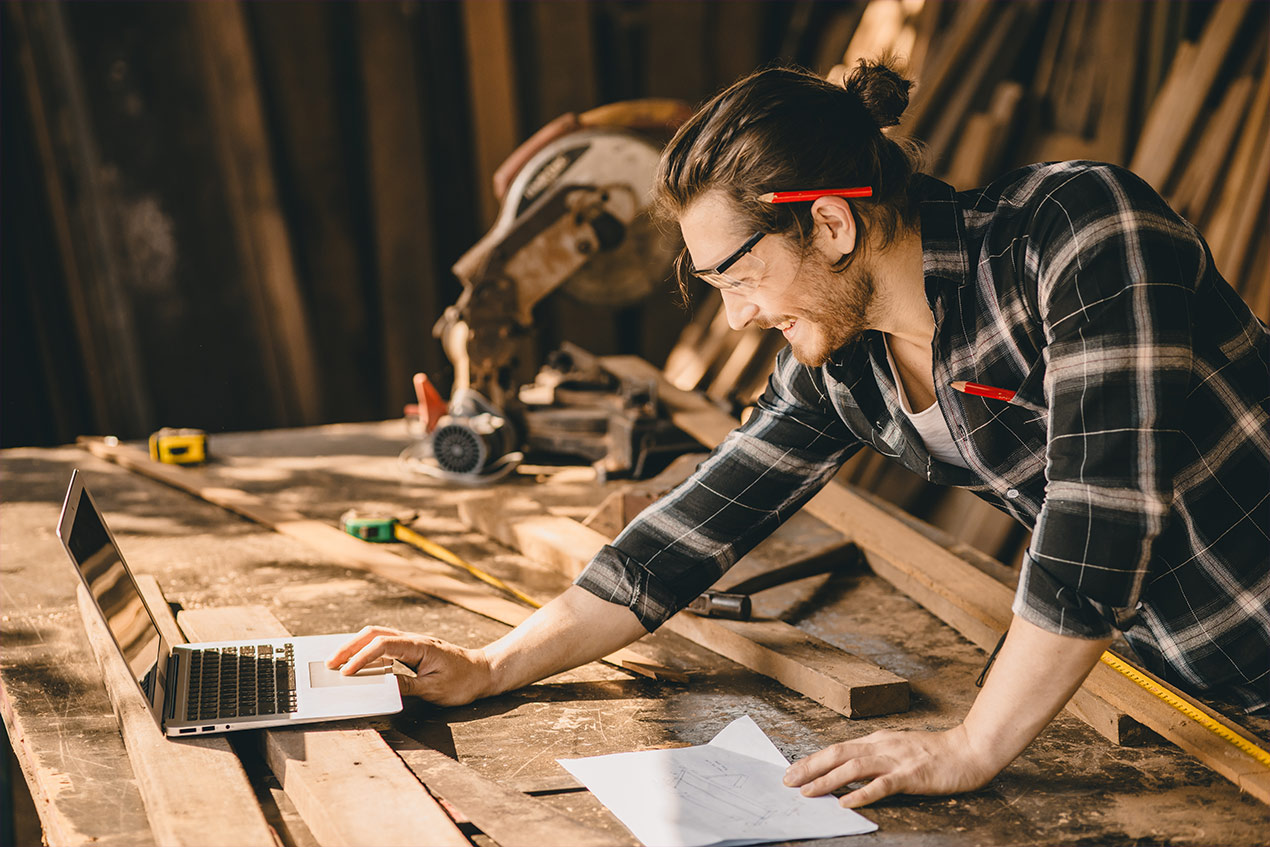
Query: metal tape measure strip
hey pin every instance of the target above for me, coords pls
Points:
(1204, 720)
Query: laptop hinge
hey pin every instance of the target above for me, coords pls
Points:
(170, 686)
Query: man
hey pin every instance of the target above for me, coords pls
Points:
(1132, 432)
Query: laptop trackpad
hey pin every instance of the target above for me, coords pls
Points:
(320, 676)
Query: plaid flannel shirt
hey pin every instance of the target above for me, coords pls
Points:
(1137, 445)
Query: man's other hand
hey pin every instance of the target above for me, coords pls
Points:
(895, 763)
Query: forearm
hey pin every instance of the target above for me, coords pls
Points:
(575, 628)
(1033, 677)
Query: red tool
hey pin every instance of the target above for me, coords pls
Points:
(430, 408)
(979, 390)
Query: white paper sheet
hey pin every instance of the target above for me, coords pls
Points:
(726, 792)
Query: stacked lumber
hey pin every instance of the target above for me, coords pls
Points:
(1179, 93)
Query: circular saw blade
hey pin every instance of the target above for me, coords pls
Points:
(640, 264)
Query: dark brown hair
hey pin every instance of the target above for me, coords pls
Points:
(783, 129)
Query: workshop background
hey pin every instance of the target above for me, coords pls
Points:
(242, 216)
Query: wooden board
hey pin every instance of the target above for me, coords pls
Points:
(832, 677)
(492, 77)
(400, 188)
(508, 816)
(83, 218)
(336, 778)
(302, 72)
(1173, 114)
(195, 790)
(238, 123)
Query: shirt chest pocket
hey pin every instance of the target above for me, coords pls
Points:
(1030, 393)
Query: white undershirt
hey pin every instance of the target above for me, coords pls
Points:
(929, 422)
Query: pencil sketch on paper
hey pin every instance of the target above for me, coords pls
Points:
(728, 791)
(718, 793)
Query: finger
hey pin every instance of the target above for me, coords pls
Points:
(854, 770)
(821, 762)
(358, 641)
(883, 786)
(389, 646)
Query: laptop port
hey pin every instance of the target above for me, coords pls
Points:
(187, 729)
(210, 728)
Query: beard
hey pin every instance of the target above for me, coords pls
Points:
(836, 312)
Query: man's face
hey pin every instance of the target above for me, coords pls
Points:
(817, 310)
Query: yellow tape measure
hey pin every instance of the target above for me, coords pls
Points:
(1200, 717)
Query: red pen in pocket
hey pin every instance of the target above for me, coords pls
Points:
(979, 390)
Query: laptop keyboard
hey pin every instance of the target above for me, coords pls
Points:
(239, 682)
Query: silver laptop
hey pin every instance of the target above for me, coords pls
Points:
(213, 686)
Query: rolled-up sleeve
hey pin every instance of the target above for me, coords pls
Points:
(763, 472)
(1116, 295)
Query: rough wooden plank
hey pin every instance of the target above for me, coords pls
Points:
(1121, 23)
(335, 777)
(516, 521)
(492, 76)
(400, 190)
(1196, 186)
(73, 758)
(195, 790)
(1173, 116)
(849, 685)
(1000, 46)
(834, 678)
(1238, 176)
(1215, 752)
(960, 45)
(238, 123)
(419, 572)
(508, 816)
(83, 218)
(979, 607)
(301, 68)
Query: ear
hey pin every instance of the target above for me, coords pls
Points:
(835, 226)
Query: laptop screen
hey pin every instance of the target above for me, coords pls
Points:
(108, 580)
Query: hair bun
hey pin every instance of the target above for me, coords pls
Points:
(881, 88)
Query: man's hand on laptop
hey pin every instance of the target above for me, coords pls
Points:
(446, 674)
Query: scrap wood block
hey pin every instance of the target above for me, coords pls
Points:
(335, 777)
(834, 678)
(195, 790)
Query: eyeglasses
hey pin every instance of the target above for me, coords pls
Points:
(718, 275)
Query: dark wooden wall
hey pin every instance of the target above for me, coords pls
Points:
(242, 215)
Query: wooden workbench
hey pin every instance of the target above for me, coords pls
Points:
(1069, 786)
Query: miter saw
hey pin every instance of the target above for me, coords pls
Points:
(575, 217)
